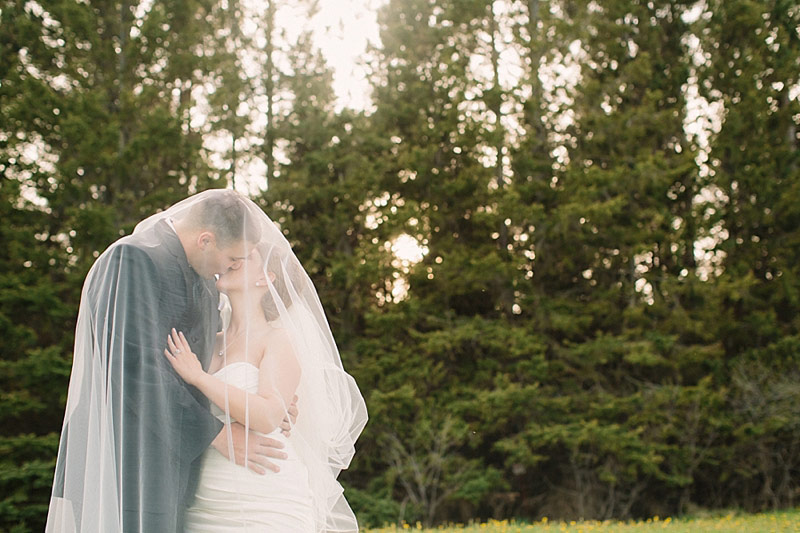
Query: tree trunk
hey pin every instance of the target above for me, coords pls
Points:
(269, 89)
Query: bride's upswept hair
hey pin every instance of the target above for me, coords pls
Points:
(287, 271)
(226, 216)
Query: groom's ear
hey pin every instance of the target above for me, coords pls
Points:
(205, 239)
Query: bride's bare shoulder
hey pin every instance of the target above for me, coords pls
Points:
(277, 335)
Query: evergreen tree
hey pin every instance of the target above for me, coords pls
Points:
(613, 252)
(440, 346)
(751, 68)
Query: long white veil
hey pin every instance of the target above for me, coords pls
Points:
(135, 432)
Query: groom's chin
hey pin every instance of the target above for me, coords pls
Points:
(219, 285)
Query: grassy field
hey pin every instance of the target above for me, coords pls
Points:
(777, 522)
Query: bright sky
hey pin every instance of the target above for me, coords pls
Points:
(343, 29)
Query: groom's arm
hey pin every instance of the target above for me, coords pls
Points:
(260, 449)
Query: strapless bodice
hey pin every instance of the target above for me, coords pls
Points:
(230, 497)
(241, 374)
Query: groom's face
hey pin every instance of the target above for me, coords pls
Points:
(216, 259)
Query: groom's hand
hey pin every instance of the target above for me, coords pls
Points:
(291, 417)
(259, 451)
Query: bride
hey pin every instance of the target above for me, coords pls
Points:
(270, 351)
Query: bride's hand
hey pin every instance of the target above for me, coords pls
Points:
(182, 359)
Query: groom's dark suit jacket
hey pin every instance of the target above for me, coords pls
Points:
(139, 291)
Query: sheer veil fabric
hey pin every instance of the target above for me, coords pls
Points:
(136, 436)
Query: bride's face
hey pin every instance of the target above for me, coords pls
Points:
(249, 276)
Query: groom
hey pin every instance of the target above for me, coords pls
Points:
(134, 431)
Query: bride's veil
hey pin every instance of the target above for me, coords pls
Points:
(132, 425)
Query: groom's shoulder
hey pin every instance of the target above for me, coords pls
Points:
(150, 243)
(121, 262)
(127, 252)
(144, 252)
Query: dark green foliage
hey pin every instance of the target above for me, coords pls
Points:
(605, 319)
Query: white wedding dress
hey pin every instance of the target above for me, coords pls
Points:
(230, 497)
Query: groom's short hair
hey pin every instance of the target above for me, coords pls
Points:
(227, 216)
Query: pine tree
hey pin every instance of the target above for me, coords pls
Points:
(750, 68)
(611, 253)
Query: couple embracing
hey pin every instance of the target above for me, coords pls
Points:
(207, 393)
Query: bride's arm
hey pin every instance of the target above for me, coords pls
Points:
(278, 377)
